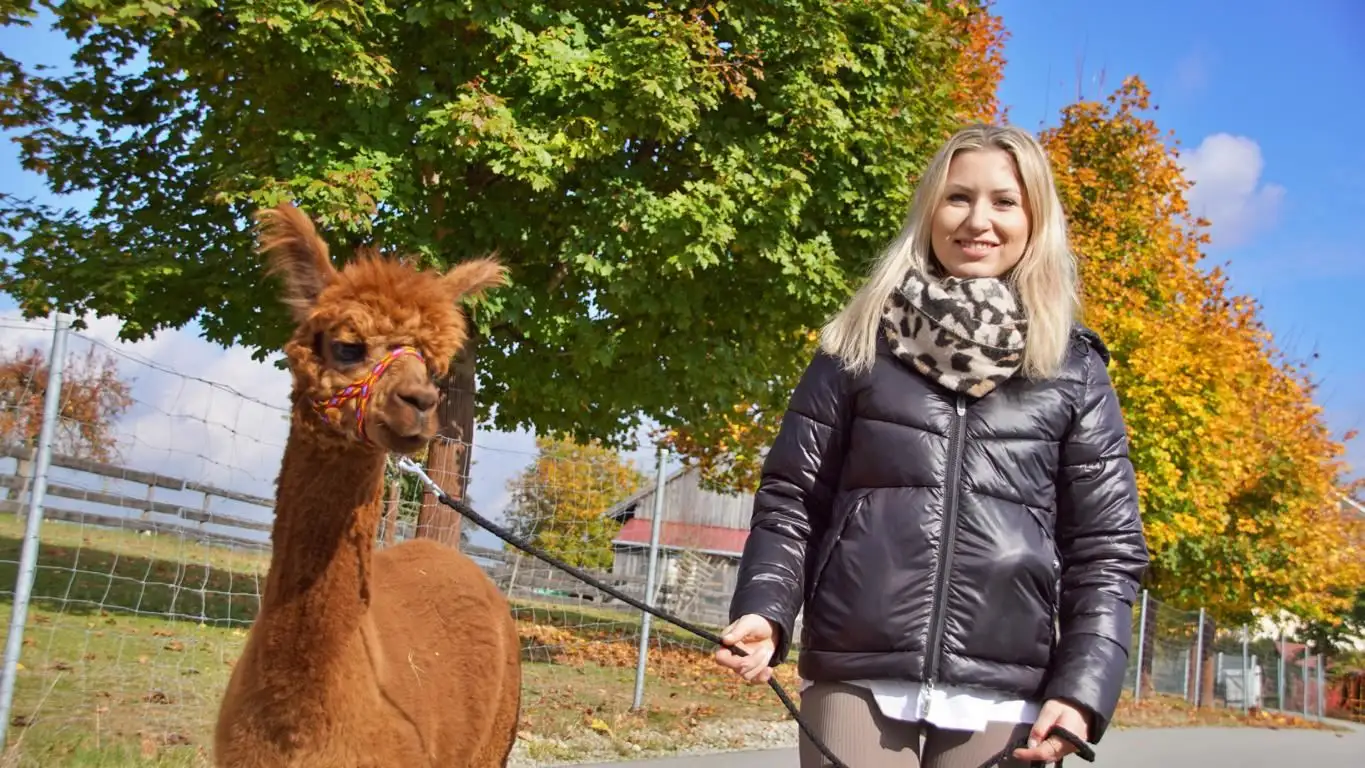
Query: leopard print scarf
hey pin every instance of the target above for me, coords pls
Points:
(966, 334)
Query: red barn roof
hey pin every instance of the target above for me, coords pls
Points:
(710, 539)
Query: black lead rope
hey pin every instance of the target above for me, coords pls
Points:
(407, 464)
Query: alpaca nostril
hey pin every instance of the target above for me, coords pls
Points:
(422, 400)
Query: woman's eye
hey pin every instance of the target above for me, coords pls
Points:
(348, 353)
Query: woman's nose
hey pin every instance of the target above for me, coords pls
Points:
(978, 219)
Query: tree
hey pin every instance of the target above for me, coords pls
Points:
(1239, 476)
(1336, 636)
(726, 443)
(559, 501)
(93, 397)
(646, 170)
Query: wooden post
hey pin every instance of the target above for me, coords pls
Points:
(448, 454)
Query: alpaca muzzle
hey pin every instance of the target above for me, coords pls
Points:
(330, 408)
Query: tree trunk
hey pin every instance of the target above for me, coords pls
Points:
(448, 454)
(1206, 681)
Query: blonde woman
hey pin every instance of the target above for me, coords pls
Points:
(950, 496)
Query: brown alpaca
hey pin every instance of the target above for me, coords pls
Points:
(403, 658)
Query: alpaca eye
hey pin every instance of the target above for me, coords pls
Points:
(348, 353)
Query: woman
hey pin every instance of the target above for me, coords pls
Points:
(950, 494)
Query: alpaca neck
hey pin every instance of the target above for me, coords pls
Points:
(326, 518)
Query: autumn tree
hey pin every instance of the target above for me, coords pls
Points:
(1238, 473)
(1337, 635)
(559, 501)
(644, 169)
(93, 395)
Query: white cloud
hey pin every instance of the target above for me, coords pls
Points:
(1228, 189)
(214, 415)
(200, 412)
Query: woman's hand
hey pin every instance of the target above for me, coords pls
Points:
(754, 635)
(1051, 750)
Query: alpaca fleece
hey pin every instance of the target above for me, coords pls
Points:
(359, 659)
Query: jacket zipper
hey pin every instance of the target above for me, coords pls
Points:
(948, 537)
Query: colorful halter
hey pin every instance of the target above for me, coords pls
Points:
(330, 408)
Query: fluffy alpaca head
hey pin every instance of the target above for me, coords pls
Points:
(359, 326)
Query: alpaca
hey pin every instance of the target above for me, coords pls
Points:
(400, 658)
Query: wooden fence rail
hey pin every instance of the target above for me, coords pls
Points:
(520, 576)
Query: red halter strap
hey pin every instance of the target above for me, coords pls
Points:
(330, 408)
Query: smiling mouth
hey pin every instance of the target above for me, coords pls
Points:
(976, 247)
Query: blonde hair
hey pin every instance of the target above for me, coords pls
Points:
(1045, 276)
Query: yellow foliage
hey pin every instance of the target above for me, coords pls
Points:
(1239, 477)
(559, 499)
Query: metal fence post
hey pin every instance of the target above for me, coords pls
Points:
(1199, 661)
(28, 556)
(1305, 679)
(1142, 645)
(655, 525)
(1322, 686)
(1279, 676)
(1185, 676)
(1246, 670)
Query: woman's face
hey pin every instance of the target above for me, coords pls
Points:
(981, 224)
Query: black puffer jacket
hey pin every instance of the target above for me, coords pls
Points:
(936, 538)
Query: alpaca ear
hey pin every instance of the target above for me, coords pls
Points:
(473, 277)
(296, 253)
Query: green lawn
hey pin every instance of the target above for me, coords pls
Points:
(130, 639)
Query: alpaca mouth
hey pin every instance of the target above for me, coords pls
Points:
(400, 443)
(406, 435)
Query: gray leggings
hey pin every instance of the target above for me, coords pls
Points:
(847, 719)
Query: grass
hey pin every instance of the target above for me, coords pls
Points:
(130, 640)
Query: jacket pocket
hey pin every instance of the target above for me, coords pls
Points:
(832, 543)
(1055, 583)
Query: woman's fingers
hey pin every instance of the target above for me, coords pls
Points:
(752, 635)
(748, 628)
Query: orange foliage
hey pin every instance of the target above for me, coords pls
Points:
(981, 64)
(686, 667)
(1238, 474)
(92, 398)
(1166, 711)
(558, 501)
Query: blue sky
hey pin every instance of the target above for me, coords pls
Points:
(1233, 80)
(1263, 97)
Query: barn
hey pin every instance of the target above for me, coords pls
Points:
(700, 543)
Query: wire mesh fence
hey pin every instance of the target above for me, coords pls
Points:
(157, 501)
(1170, 648)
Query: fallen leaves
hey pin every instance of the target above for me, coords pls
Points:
(689, 669)
(1163, 711)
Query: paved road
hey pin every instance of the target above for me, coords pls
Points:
(1154, 748)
